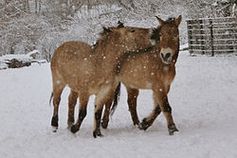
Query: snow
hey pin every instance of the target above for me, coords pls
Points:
(184, 46)
(6, 58)
(33, 52)
(203, 98)
(33, 56)
(21, 57)
(94, 11)
(3, 65)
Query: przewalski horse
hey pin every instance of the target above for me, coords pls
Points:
(152, 68)
(89, 71)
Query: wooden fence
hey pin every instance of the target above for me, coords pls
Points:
(212, 35)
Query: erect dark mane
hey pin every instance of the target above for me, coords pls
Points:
(105, 32)
(120, 24)
(155, 35)
(103, 35)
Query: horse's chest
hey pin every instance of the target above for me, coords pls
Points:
(168, 77)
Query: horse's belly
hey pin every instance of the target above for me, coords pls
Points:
(137, 84)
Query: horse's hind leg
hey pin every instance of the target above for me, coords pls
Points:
(132, 104)
(82, 113)
(97, 116)
(72, 101)
(108, 110)
(56, 101)
(102, 97)
(105, 120)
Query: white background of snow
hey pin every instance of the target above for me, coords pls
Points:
(21, 57)
(203, 98)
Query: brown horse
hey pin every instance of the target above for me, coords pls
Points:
(169, 42)
(152, 68)
(90, 71)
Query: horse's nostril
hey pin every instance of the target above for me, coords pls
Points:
(162, 55)
(167, 55)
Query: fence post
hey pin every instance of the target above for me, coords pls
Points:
(202, 32)
(189, 37)
(212, 37)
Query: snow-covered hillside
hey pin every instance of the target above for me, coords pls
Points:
(203, 98)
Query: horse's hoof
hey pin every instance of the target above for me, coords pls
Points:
(74, 128)
(172, 128)
(54, 121)
(69, 125)
(54, 129)
(144, 125)
(104, 124)
(97, 133)
(136, 123)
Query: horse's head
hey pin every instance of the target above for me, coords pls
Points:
(169, 39)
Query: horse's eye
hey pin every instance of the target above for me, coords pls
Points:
(132, 30)
(176, 37)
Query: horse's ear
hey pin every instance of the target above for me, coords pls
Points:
(178, 20)
(160, 20)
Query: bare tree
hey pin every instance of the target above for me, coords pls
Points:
(43, 24)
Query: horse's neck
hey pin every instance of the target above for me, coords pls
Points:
(106, 55)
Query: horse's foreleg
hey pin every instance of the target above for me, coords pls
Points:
(132, 104)
(56, 101)
(167, 110)
(148, 121)
(162, 99)
(82, 113)
(72, 101)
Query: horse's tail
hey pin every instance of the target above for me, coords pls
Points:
(116, 99)
(50, 99)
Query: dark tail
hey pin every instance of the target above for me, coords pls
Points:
(51, 97)
(116, 99)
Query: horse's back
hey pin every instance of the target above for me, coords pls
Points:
(69, 60)
(71, 48)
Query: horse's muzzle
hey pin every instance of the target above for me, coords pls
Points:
(166, 55)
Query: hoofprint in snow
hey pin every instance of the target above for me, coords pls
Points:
(203, 98)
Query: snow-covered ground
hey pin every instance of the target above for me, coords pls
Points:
(33, 56)
(203, 97)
